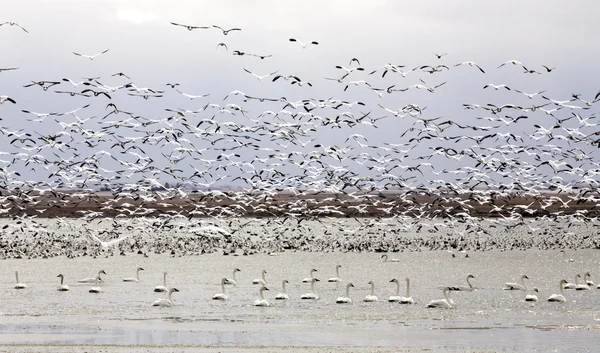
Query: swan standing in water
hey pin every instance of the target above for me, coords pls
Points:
(19, 285)
(96, 288)
(385, 259)
(371, 297)
(222, 295)
(93, 279)
(311, 294)
(346, 299)
(532, 297)
(572, 285)
(309, 279)
(261, 280)
(516, 286)
(588, 279)
(162, 288)
(468, 288)
(395, 298)
(582, 286)
(442, 303)
(261, 301)
(137, 276)
(559, 298)
(168, 302)
(63, 287)
(283, 294)
(407, 299)
(337, 278)
(232, 280)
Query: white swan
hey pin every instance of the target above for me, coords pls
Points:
(385, 259)
(261, 301)
(588, 279)
(19, 285)
(311, 294)
(337, 275)
(168, 302)
(407, 299)
(582, 286)
(232, 280)
(96, 288)
(395, 298)
(572, 285)
(532, 297)
(516, 286)
(309, 279)
(222, 295)
(283, 294)
(137, 276)
(371, 297)
(559, 298)
(93, 279)
(468, 288)
(442, 303)
(162, 288)
(346, 299)
(63, 287)
(261, 280)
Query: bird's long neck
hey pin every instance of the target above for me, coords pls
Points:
(372, 288)
(561, 289)
(407, 287)
(312, 286)
(577, 280)
(17, 276)
(234, 271)
(283, 286)
(469, 283)
(348, 291)
(61, 280)
(223, 287)
(397, 288)
(446, 295)
(98, 277)
(169, 294)
(337, 271)
(523, 283)
(262, 289)
(137, 275)
(165, 279)
(263, 277)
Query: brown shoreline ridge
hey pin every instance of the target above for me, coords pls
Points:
(210, 203)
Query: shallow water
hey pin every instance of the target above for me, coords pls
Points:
(486, 319)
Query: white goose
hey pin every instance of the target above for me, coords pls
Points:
(311, 294)
(442, 303)
(93, 279)
(261, 301)
(232, 280)
(222, 295)
(137, 276)
(407, 299)
(395, 298)
(371, 297)
(19, 285)
(283, 294)
(168, 302)
(346, 299)
(468, 288)
(63, 287)
(337, 275)
(516, 286)
(261, 280)
(162, 288)
(532, 297)
(309, 279)
(559, 298)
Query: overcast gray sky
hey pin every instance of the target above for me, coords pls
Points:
(153, 52)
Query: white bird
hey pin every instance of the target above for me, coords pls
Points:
(532, 297)
(91, 57)
(232, 280)
(7, 99)
(559, 298)
(283, 294)
(261, 301)
(311, 294)
(137, 276)
(442, 303)
(93, 279)
(309, 279)
(63, 287)
(96, 288)
(407, 299)
(471, 63)
(371, 297)
(261, 280)
(516, 286)
(530, 95)
(337, 275)
(346, 299)
(588, 279)
(167, 302)
(162, 288)
(582, 286)
(496, 87)
(395, 298)
(19, 285)
(572, 285)
(222, 295)
(260, 77)
(303, 44)
(385, 259)
(469, 287)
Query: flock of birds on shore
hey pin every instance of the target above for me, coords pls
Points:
(220, 161)
(584, 283)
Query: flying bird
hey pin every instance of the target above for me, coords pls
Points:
(303, 44)
(91, 57)
(222, 45)
(471, 63)
(189, 28)
(226, 31)
(14, 24)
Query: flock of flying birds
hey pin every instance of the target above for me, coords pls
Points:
(199, 170)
